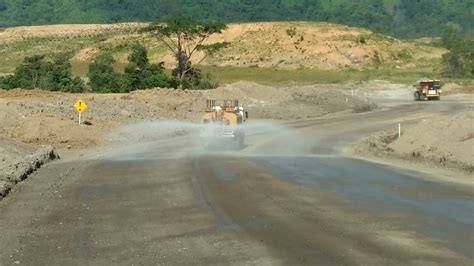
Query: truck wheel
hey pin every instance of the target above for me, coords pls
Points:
(418, 96)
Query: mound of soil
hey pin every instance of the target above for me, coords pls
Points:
(439, 141)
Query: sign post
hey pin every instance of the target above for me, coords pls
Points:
(80, 106)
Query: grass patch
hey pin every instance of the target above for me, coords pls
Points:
(79, 68)
(272, 76)
(12, 54)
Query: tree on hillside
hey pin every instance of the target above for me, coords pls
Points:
(184, 37)
(140, 74)
(451, 39)
(57, 75)
(28, 74)
(459, 62)
(102, 77)
(52, 73)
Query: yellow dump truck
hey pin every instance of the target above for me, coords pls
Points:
(427, 90)
(223, 124)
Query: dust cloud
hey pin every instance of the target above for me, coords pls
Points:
(178, 139)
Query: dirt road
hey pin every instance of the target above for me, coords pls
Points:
(290, 197)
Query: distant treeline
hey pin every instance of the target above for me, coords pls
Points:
(401, 18)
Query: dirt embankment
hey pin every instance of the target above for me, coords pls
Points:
(439, 141)
(18, 160)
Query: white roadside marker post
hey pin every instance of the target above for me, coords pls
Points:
(399, 130)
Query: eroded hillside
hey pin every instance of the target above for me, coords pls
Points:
(287, 45)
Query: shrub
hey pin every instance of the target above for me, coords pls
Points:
(459, 62)
(102, 77)
(44, 73)
(291, 32)
(6, 82)
(140, 74)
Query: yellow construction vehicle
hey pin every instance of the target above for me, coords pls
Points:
(427, 90)
(223, 124)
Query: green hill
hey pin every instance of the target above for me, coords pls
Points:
(401, 18)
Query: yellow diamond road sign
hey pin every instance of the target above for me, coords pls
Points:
(80, 106)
